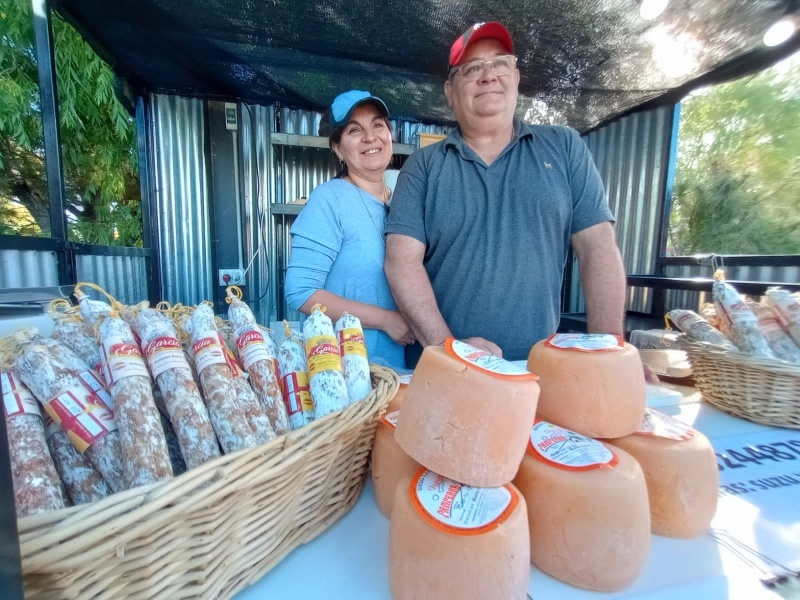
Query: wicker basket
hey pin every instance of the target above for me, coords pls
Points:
(761, 390)
(215, 529)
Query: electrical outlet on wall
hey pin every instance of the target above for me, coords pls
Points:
(231, 277)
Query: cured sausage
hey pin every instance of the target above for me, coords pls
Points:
(217, 381)
(294, 379)
(738, 321)
(353, 350)
(83, 416)
(181, 397)
(145, 457)
(259, 362)
(325, 371)
(37, 486)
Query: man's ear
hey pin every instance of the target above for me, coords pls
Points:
(448, 90)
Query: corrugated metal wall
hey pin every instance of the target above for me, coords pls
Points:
(124, 277)
(27, 268)
(178, 129)
(631, 155)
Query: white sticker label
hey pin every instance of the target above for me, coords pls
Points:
(461, 506)
(569, 449)
(486, 361)
(405, 379)
(122, 359)
(587, 342)
(658, 424)
(165, 353)
(252, 348)
(208, 351)
(391, 418)
(17, 399)
(92, 381)
(82, 415)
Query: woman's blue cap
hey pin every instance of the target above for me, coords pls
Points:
(344, 104)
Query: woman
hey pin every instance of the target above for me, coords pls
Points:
(338, 242)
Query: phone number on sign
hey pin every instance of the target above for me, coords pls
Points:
(759, 454)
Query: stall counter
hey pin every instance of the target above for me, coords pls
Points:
(350, 560)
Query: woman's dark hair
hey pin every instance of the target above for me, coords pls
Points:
(335, 137)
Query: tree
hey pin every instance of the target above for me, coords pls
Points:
(98, 138)
(737, 187)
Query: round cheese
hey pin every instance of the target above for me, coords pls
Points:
(681, 472)
(588, 513)
(466, 414)
(590, 383)
(389, 463)
(448, 540)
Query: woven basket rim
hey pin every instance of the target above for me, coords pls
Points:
(711, 351)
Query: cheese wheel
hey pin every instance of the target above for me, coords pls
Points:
(447, 540)
(592, 384)
(467, 414)
(389, 463)
(588, 514)
(680, 468)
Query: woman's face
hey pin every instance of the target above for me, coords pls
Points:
(366, 144)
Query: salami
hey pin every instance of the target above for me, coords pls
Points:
(217, 381)
(697, 328)
(181, 397)
(787, 309)
(81, 480)
(91, 310)
(259, 362)
(294, 379)
(739, 321)
(325, 371)
(80, 338)
(83, 416)
(90, 378)
(780, 342)
(145, 457)
(353, 350)
(37, 487)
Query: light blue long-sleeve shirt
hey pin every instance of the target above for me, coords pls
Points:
(338, 245)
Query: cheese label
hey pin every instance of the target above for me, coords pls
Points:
(122, 359)
(390, 419)
(82, 415)
(208, 350)
(322, 354)
(658, 424)
(405, 379)
(352, 342)
(459, 509)
(586, 342)
(165, 353)
(17, 399)
(92, 380)
(568, 450)
(486, 362)
(296, 393)
(252, 348)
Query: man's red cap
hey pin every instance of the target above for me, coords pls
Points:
(479, 31)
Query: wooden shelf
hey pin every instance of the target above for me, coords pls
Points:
(285, 209)
(313, 141)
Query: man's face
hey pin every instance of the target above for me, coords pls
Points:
(486, 96)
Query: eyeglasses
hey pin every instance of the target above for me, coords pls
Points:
(501, 65)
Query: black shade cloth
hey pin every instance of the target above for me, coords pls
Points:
(582, 62)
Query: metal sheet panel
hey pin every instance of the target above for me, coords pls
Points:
(182, 198)
(124, 277)
(28, 268)
(631, 156)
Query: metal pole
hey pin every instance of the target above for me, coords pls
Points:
(150, 216)
(48, 96)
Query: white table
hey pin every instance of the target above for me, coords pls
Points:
(350, 560)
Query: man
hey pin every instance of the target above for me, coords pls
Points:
(481, 223)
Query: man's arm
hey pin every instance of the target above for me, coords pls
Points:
(412, 289)
(602, 278)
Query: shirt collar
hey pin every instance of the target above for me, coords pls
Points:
(455, 140)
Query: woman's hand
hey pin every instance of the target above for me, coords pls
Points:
(397, 328)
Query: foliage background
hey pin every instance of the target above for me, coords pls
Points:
(98, 138)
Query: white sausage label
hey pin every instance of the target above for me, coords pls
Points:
(252, 348)
(122, 359)
(208, 350)
(17, 399)
(82, 415)
(165, 353)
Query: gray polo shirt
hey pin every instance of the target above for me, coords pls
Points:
(497, 237)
